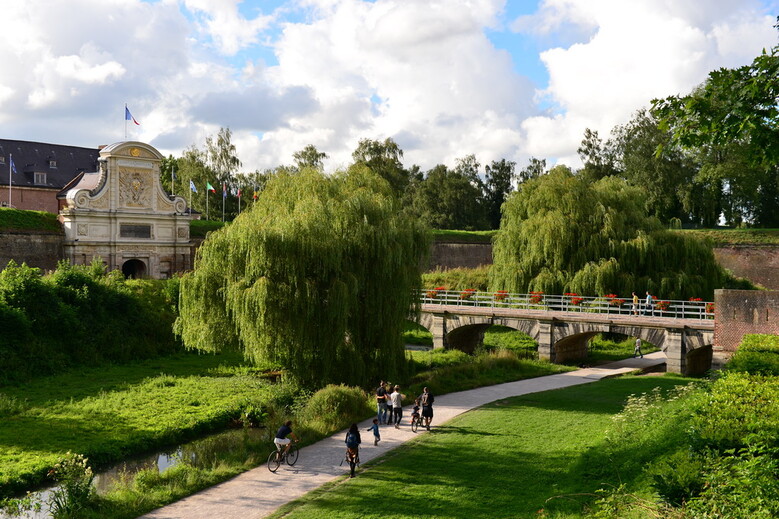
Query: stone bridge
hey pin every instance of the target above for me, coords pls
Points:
(563, 335)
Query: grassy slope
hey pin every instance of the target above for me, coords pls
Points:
(720, 237)
(36, 221)
(512, 458)
(107, 413)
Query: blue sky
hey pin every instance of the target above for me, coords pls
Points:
(447, 78)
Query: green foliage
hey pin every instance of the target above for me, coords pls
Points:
(463, 236)
(758, 354)
(74, 486)
(562, 234)
(88, 306)
(20, 220)
(335, 407)
(503, 338)
(200, 228)
(449, 199)
(679, 477)
(317, 277)
(457, 278)
(416, 334)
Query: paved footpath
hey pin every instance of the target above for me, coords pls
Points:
(258, 492)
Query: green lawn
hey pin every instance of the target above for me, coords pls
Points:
(111, 412)
(530, 456)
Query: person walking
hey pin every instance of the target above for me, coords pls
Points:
(649, 304)
(635, 304)
(427, 399)
(353, 441)
(637, 350)
(376, 433)
(397, 406)
(381, 403)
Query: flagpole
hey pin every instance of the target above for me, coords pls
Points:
(190, 198)
(207, 190)
(125, 121)
(173, 179)
(10, 163)
(224, 196)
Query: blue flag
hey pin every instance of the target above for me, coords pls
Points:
(192, 186)
(13, 166)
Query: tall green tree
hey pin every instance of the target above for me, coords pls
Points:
(310, 157)
(499, 182)
(534, 169)
(317, 276)
(734, 114)
(598, 156)
(560, 233)
(384, 158)
(448, 199)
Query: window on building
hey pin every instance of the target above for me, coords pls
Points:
(52, 163)
(2, 159)
(40, 179)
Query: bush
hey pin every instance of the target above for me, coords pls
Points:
(335, 407)
(678, 477)
(758, 354)
(457, 278)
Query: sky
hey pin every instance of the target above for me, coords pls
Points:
(500, 79)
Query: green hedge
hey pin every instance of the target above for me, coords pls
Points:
(80, 315)
(758, 354)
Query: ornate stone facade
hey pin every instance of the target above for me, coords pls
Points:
(121, 214)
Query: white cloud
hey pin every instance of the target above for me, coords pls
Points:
(639, 50)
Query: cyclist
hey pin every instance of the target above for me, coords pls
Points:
(415, 411)
(353, 442)
(281, 439)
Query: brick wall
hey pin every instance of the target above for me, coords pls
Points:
(447, 255)
(31, 199)
(759, 264)
(740, 312)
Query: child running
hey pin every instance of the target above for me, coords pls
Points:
(375, 429)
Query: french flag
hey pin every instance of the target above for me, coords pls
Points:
(128, 116)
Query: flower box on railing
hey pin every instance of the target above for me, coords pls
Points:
(663, 305)
(433, 293)
(709, 308)
(574, 299)
(501, 295)
(614, 300)
(467, 293)
(536, 297)
(695, 299)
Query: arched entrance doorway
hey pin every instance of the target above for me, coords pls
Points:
(134, 269)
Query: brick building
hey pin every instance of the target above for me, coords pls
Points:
(42, 171)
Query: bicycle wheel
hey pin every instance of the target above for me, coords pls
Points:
(292, 455)
(274, 460)
(414, 425)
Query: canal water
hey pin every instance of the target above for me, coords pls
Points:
(203, 452)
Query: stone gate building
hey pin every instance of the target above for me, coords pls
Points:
(122, 214)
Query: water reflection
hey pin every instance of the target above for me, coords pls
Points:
(203, 453)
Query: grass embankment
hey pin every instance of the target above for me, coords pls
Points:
(29, 221)
(199, 228)
(724, 237)
(111, 412)
(528, 456)
(463, 236)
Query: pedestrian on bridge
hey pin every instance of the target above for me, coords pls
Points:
(649, 304)
(637, 350)
(635, 304)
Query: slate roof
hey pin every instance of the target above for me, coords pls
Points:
(60, 163)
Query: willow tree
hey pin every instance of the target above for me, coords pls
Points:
(317, 276)
(561, 233)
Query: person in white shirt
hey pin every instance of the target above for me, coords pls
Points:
(397, 406)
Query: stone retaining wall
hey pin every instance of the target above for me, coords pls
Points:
(37, 250)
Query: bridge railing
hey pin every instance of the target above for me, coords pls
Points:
(609, 304)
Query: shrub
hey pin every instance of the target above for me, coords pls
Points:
(678, 477)
(335, 407)
(74, 491)
(758, 354)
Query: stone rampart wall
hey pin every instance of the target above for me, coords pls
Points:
(447, 255)
(37, 250)
(759, 264)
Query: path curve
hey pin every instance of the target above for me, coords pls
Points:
(257, 492)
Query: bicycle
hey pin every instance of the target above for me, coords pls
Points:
(278, 456)
(416, 421)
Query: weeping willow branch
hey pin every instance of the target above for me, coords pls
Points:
(317, 276)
